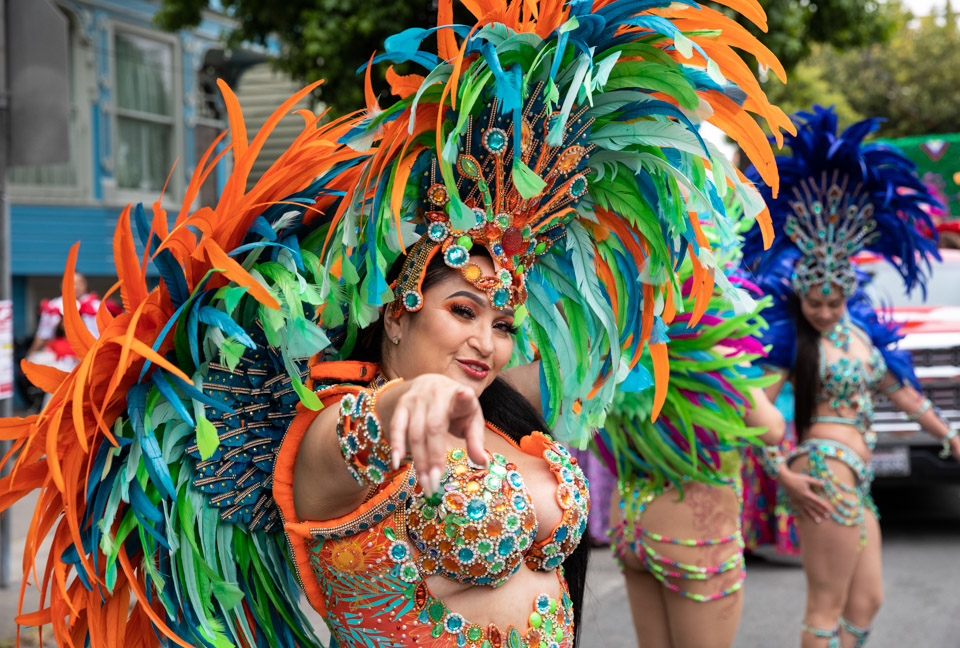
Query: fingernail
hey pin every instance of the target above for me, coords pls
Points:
(395, 458)
(817, 520)
(434, 480)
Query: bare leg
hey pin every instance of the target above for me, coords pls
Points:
(831, 552)
(644, 593)
(866, 590)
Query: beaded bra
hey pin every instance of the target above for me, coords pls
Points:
(848, 383)
(481, 525)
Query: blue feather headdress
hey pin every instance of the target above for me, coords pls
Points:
(839, 196)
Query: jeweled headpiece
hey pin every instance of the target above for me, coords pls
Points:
(839, 196)
(512, 223)
(830, 223)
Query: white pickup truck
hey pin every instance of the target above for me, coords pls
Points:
(932, 329)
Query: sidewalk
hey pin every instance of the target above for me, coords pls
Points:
(20, 515)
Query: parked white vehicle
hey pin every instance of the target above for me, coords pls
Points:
(932, 329)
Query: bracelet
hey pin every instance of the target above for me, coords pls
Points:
(952, 434)
(363, 444)
(926, 405)
(897, 386)
(771, 460)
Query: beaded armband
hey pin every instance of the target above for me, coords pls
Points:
(771, 460)
(363, 441)
(895, 387)
(924, 407)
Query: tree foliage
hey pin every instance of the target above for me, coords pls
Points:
(319, 39)
(796, 26)
(913, 80)
(330, 39)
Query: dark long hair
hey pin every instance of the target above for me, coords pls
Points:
(806, 369)
(503, 407)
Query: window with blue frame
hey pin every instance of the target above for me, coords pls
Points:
(145, 109)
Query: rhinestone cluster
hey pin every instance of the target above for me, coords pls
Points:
(478, 526)
(549, 623)
(363, 442)
(829, 225)
(573, 496)
(514, 230)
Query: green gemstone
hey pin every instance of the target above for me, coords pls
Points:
(541, 248)
(388, 531)
(428, 512)
(465, 241)
(468, 167)
(535, 620)
(458, 454)
(436, 611)
(474, 633)
(450, 531)
(513, 639)
(437, 631)
(486, 644)
(484, 546)
(553, 605)
(558, 635)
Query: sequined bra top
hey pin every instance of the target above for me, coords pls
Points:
(481, 525)
(847, 385)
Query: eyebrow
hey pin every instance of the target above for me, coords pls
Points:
(480, 301)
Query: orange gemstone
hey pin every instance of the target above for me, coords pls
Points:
(460, 470)
(493, 634)
(473, 487)
(445, 546)
(454, 501)
(420, 596)
(470, 533)
(429, 565)
(472, 272)
(494, 527)
(499, 504)
(450, 564)
(534, 637)
(429, 532)
(491, 231)
(478, 569)
(529, 520)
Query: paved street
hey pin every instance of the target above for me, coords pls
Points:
(922, 579)
(921, 559)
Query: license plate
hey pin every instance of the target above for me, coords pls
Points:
(891, 462)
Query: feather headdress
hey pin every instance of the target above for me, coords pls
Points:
(838, 196)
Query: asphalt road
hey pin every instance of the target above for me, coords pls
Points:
(921, 530)
(921, 557)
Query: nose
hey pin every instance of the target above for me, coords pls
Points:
(482, 341)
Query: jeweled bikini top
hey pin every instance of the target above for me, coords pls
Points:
(481, 524)
(848, 384)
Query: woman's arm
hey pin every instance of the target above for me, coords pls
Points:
(416, 417)
(919, 409)
(765, 414)
(773, 390)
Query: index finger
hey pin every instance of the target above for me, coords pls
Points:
(474, 439)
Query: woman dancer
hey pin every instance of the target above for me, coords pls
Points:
(677, 536)
(840, 196)
(283, 411)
